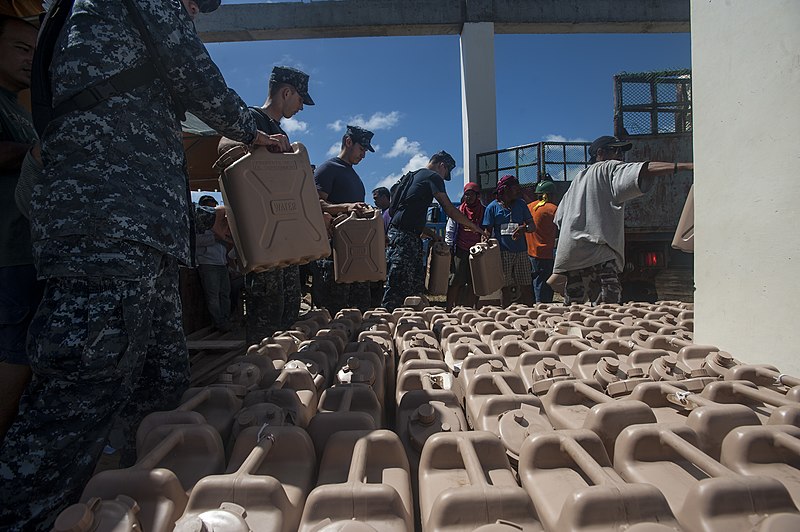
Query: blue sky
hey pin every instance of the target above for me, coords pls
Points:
(407, 90)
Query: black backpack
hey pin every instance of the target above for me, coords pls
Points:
(398, 191)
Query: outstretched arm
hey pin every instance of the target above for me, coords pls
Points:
(655, 168)
(455, 214)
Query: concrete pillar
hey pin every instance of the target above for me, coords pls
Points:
(478, 99)
(746, 69)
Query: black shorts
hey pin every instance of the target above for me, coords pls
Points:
(460, 273)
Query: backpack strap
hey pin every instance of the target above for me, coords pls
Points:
(41, 93)
(399, 190)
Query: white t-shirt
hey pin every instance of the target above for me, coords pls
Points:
(591, 215)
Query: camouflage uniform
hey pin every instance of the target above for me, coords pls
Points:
(272, 297)
(336, 296)
(404, 275)
(110, 223)
(272, 301)
(601, 281)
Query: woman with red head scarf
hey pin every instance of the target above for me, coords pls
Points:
(460, 241)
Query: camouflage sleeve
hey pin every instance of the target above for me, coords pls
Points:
(193, 74)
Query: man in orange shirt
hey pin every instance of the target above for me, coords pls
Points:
(542, 241)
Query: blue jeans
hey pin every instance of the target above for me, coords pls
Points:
(541, 270)
(217, 290)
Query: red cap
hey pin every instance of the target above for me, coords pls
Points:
(473, 187)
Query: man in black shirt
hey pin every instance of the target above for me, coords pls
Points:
(273, 296)
(341, 190)
(410, 201)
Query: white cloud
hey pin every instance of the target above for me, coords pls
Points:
(457, 172)
(417, 161)
(339, 125)
(291, 125)
(388, 181)
(334, 150)
(374, 123)
(562, 138)
(403, 146)
(378, 121)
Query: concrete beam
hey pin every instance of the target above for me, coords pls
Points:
(376, 18)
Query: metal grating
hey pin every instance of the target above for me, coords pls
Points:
(562, 160)
(653, 103)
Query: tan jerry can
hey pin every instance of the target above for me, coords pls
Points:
(486, 267)
(438, 273)
(359, 248)
(273, 207)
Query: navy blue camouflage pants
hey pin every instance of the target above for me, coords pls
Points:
(272, 300)
(404, 269)
(336, 296)
(105, 350)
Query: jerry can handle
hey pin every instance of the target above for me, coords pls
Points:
(230, 156)
(478, 248)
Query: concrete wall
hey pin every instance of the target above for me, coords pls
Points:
(746, 66)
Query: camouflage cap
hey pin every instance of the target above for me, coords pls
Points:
(207, 6)
(291, 76)
(361, 136)
(446, 158)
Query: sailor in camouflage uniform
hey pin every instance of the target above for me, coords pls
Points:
(272, 297)
(341, 191)
(110, 224)
(409, 208)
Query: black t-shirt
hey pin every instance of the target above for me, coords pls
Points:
(265, 123)
(413, 209)
(339, 181)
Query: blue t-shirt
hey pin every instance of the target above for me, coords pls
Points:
(504, 222)
(412, 212)
(339, 181)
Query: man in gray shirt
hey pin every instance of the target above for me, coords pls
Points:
(591, 218)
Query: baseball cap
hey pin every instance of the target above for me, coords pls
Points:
(474, 187)
(361, 136)
(607, 141)
(545, 187)
(446, 158)
(207, 6)
(291, 76)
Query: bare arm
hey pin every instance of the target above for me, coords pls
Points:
(455, 214)
(335, 209)
(655, 168)
(527, 227)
